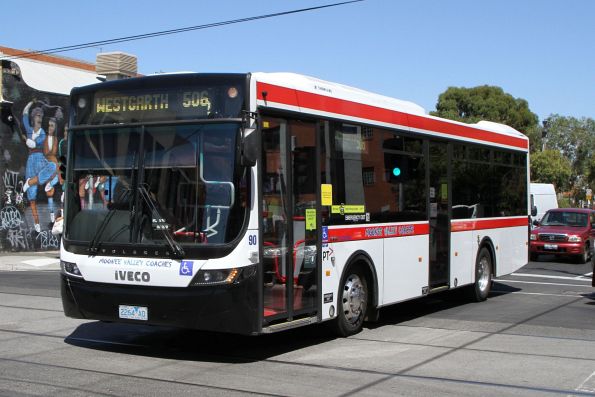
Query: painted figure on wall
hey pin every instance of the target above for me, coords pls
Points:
(39, 171)
(31, 127)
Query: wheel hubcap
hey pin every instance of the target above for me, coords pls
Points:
(354, 298)
(484, 274)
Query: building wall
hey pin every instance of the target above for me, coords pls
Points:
(26, 216)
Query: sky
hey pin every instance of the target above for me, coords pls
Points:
(542, 51)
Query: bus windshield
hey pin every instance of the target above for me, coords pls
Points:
(156, 185)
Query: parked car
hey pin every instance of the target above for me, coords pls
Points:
(565, 232)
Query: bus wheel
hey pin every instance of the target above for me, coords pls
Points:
(352, 303)
(483, 276)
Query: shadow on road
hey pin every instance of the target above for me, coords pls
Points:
(591, 298)
(191, 345)
(440, 302)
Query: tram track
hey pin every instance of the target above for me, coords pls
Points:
(166, 345)
(386, 374)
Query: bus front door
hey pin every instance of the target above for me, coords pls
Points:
(289, 227)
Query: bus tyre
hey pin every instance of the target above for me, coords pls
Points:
(352, 302)
(483, 276)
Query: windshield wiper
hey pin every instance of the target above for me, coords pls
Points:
(95, 242)
(158, 222)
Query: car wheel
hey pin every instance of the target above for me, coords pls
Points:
(533, 257)
(584, 257)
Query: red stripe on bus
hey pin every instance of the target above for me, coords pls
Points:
(480, 224)
(375, 232)
(288, 96)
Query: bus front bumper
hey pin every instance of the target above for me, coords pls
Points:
(230, 308)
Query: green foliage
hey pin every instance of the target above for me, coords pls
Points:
(490, 103)
(591, 173)
(564, 202)
(550, 166)
(575, 140)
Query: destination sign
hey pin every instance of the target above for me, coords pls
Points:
(139, 103)
(131, 104)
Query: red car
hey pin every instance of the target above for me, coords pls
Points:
(565, 232)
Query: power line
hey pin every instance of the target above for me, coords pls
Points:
(168, 32)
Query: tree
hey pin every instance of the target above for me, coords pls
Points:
(591, 173)
(575, 140)
(550, 166)
(490, 103)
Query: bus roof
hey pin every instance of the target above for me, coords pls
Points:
(299, 93)
(307, 94)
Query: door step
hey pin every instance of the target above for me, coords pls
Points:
(438, 289)
(289, 325)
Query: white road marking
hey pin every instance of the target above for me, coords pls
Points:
(41, 262)
(574, 295)
(535, 282)
(580, 278)
(588, 385)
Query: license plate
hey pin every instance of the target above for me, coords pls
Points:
(550, 246)
(134, 312)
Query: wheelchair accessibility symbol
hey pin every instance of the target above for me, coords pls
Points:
(186, 268)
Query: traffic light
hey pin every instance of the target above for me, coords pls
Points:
(396, 166)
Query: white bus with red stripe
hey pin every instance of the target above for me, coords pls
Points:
(262, 202)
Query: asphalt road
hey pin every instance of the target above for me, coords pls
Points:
(534, 336)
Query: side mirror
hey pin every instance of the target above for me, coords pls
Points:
(533, 210)
(535, 222)
(250, 148)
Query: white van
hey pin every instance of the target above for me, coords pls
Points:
(543, 198)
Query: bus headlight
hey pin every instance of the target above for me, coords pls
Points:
(70, 269)
(223, 276)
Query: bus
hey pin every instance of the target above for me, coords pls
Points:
(260, 202)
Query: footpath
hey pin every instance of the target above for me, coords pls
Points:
(20, 261)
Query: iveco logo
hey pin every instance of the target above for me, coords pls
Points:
(124, 275)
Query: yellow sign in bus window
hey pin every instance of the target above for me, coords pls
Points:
(310, 219)
(348, 209)
(326, 194)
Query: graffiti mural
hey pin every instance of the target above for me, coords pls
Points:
(32, 138)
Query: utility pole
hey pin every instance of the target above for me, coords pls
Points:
(544, 132)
